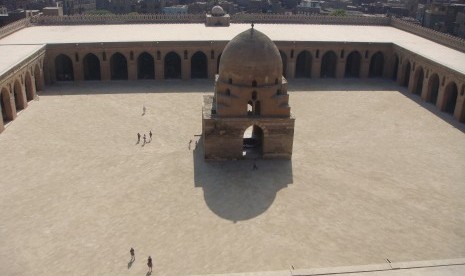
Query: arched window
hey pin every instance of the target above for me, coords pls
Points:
(328, 65)
(145, 66)
(254, 83)
(376, 65)
(91, 65)
(199, 66)
(450, 98)
(303, 65)
(64, 68)
(353, 61)
(118, 67)
(433, 89)
(172, 66)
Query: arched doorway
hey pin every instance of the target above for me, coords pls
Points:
(406, 79)
(284, 60)
(396, 67)
(328, 65)
(145, 67)
(64, 68)
(18, 94)
(7, 111)
(118, 67)
(353, 65)
(218, 64)
(199, 66)
(418, 81)
(376, 65)
(38, 78)
(29, 87)
(450, 98)
(433, 89)
(172, 66)
(303, 65)
(252, 146)
(91, 65)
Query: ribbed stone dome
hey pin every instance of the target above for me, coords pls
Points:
(251, 56)
(217, 11)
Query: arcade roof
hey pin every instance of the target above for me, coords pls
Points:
(199, 32)
(11, 55)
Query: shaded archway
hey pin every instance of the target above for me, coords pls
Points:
(64, 68)
(433, 89)
(172, 66)
(38, 78)
(376, 65)
(353, 65)
(118, 67)
(199, 66)
(29, 87)
(303, 65)
(218, 64)
(19, 97)
(395, 67)
(7, 110)
(252, 146)
(450, 98)
(418, 81)
(91, 65)
(406, 77)
(328, 65)
(284, 60)
(145, 66)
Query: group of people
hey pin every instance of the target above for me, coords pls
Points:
(133, 258)
(145, 138)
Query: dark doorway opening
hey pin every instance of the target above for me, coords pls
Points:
(328, 65)
(303, 66)
(199, 66)
(118, 67)
(145, 67)
(419, 77)
(407, 70)
(64, 68)
(396, 68)
(252, 142)
(450, 98)
(91, 65)
(376, 65)
(29, 87)
(433, 89)
(19, 99)
(7, 113)
(353, 65)
(172, 66)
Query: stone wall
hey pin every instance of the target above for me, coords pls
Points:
(13, 27)
(119, 19)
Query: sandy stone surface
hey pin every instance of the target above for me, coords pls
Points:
(376, 174)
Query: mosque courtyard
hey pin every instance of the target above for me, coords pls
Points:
(376, 174)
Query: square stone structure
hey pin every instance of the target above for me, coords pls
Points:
(249, 115)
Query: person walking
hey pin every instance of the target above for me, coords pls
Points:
(138, 138)
(150, 135)
(149, 263)
(143, 110)
(145, 140)
(133, 258)
(190, 142)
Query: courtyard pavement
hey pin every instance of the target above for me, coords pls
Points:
(376, 174)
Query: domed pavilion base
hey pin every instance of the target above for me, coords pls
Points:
(245, 137)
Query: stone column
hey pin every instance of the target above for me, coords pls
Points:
(424, 90)
(78, 71)
(185, 68)
(365, 68)
(211, 68)
(440, 103)
(12, 105)
(291, 69)
(159, 69)
(340, 68)
(316, 68)
(23, 94)
(411, 84)
(105, 69)
(132, 69)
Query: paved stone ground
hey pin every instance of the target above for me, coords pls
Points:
(375, 174)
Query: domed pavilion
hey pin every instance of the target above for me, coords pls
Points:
(249, 114)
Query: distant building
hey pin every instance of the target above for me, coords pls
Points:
(308, 6)
(177, 9)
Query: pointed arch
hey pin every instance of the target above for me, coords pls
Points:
(19, 96)
(118, 67)
(172, 66)
(406, 75)
(353, 62)
(64, 68)
(145, 66)
(91, 67)
(199, 65)
(8, 110)
(29, 87)
(303, 65)
(450, 98)
(395, 68)
(418, 81)
(284, 60)
(376, 65)
(433, 89)
(328, 65)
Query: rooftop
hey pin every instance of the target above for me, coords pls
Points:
(40, 35)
